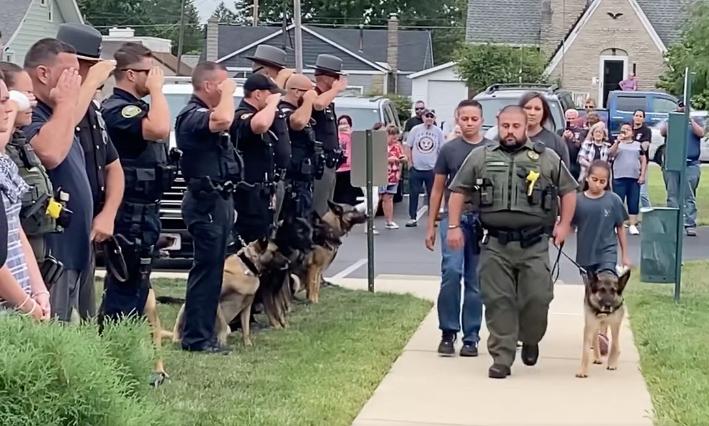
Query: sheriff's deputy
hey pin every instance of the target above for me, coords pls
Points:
(516, 185)
(255, 201)
(140, 133)
(210, 169)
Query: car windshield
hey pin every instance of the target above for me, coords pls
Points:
(491, 106)
(362, 118)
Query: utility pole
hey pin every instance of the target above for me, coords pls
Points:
(298, 37)
(255, 13)
(181, 37)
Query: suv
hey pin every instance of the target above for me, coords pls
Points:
(498, 96)
(366, 112)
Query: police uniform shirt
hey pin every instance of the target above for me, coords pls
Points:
(282, 147)
(98, 150)
(326, 126)
(300, 143)
(254, 150)
(123, 114)
(70, 247)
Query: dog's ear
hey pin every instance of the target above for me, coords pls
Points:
(593, 282)
(336, 208)
(623, 281)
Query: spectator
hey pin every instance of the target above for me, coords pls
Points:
(572, 138)
(628, 173)
(590, 104)
(422, 147)
(643, 134)
(455, 134)
(395, 158)
(21, 283)
(630, 83)
(419, 108)
(344, 191)
(595, 147)
(53, 67)
(693, 175)
(539, 113)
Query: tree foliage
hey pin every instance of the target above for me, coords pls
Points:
(239, 14)
(156, 18)
(691, 51)
(481, 65)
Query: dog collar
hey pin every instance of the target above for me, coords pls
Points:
(249, 263)
(598, 312)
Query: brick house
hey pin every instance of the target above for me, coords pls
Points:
(591, 45)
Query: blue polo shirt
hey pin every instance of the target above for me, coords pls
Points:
(70, 247)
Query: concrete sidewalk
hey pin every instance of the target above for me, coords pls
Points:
(423, 388)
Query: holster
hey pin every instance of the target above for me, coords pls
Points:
(51, 270)
(113, 256)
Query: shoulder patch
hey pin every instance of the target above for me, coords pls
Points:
(130, 111)
(246, 116)
(533, 155)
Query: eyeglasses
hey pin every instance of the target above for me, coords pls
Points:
(135, 70)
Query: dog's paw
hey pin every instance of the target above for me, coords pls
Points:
(581, 375)
(248, 343)
(598, 361)
(157, 378)
(612, 367)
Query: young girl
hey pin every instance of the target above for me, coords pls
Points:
(629, 165)
(396, 157)
(599, 218)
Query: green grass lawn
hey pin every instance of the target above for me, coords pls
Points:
(673, 340)
(658, 195)
(321, 370)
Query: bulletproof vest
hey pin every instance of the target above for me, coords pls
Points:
(215, 158)
(514, 182)
(252, 155)
(302, 143)
(325, 125)
(35, 203)
(148, 174)
(282, 147)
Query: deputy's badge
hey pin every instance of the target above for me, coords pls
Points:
(533, 155)
(130, 111)
(246, 116)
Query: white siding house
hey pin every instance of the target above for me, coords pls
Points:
(441, 89)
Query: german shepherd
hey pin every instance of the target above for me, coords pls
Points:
(603, 307)
(239, 286)
(335, 224)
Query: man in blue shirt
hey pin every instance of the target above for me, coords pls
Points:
(53, 67)
(693, 174)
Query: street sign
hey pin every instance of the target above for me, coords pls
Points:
(358, 174)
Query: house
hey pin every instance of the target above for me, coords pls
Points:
(441, 89)
(376, 61)
(591, 45)
(23, 22)
(161, 48)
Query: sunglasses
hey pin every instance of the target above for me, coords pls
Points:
(420, 109)
(135, 70)
(429, 116)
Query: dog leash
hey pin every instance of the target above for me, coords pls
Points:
(557, 269)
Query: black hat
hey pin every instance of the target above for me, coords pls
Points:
(328, 64)
(261, 82)
(269, 55)
(84, 38)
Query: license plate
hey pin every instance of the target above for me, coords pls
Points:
(176, 243)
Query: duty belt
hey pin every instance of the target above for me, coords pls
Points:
(527, 237)
(207, 185)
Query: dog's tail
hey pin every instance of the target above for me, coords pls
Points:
(295, 283)
(168, 300)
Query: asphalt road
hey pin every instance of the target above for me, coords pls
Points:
(402, 251)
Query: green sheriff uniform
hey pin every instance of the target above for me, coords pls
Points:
(517, 196)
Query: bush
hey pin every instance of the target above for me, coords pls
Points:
(62, 375)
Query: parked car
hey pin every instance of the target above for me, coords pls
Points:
(623, 104)
(657, 145)
(366, 112)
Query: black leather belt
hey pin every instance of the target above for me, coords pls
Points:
(526, 236)
(207, 186)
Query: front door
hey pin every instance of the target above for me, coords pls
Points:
(612, 76)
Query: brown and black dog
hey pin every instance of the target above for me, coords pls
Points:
(603, 308)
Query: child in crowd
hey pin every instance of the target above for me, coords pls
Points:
(395, 158)
(629, 166)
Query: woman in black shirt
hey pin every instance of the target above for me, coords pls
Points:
(643, 134)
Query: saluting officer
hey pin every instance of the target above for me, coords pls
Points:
(255, 201)
(210, 169)
(102, 165)
(329, 82)
(305, 164)
(271, 61)
(516, 185)
(140, 133)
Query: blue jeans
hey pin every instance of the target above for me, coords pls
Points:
(694, 173)
(417, 178)
(644, 196)
(457, 264)
(628, 188)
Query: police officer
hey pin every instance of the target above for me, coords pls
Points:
(210, 169)
(516, 185)
(102, 165)
(255, 198)
(329, 82)
(140, 134)
(271, 61)
(306, 163)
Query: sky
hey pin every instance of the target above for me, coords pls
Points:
(206, 7)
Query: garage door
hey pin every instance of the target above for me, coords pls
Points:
(443, 96)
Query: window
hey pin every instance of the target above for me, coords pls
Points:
(663, 105)
(9, 56)
(630, 103)
(51, 12)
(43, 2)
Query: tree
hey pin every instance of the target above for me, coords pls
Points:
(241, 14)
(481, 65)
(691, 51)
(224, 14)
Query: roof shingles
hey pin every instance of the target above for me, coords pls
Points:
(11, 17)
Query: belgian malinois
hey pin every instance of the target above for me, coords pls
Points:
(603, 307)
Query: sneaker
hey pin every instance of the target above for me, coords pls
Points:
(633, 230)
(391, 225)
(447, 345)
(691, 232)
(469, 350)
(411, 223)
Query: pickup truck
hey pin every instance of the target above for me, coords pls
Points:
(623, 104)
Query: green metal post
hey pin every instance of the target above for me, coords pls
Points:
(370, 212)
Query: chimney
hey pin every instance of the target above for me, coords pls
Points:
(393, 51)
(212, 53)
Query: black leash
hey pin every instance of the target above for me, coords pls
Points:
(557, 270)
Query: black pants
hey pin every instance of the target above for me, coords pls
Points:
(209, 219)
(298, 201)
(140, 225)
(254, 215)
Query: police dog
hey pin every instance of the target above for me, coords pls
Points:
(335, 224)
(603, 307)
(239, 286)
